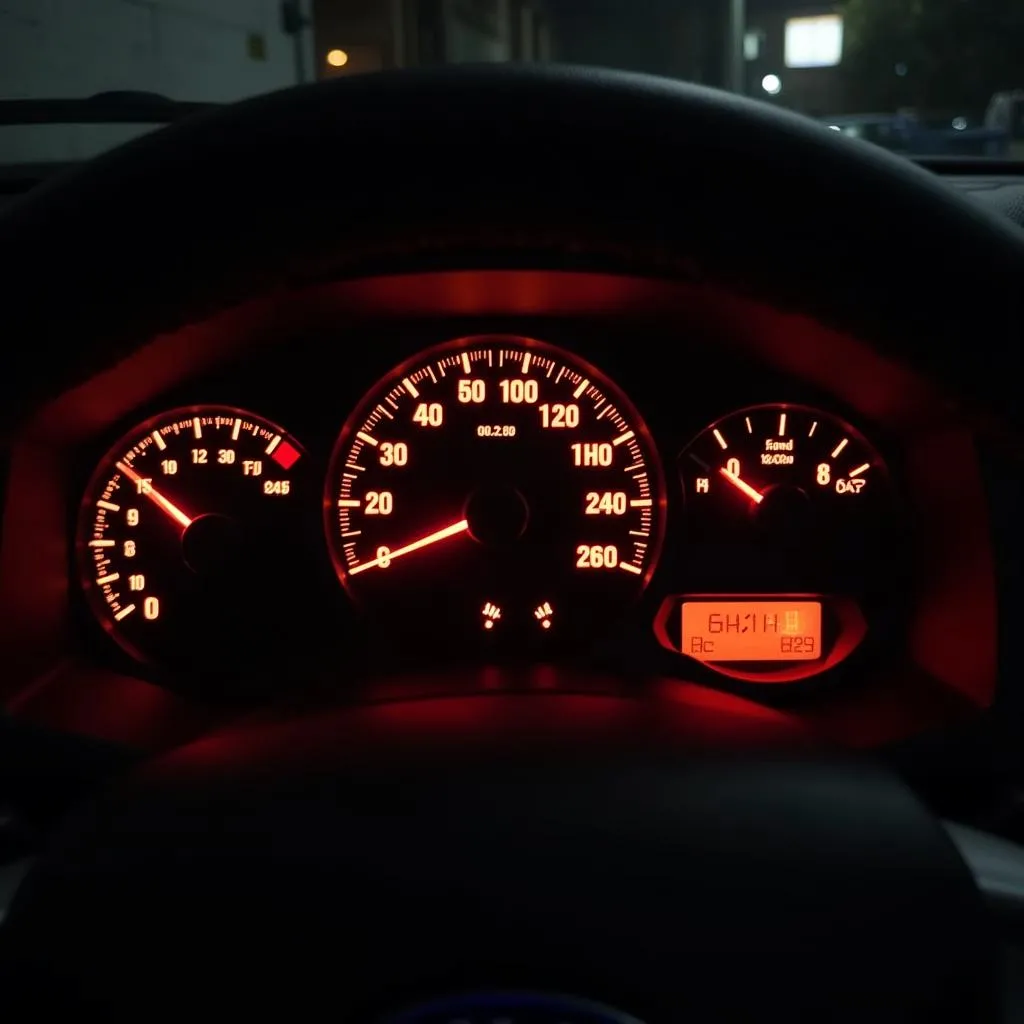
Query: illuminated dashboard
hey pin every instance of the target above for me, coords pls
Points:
(495, 497)
(645, 498)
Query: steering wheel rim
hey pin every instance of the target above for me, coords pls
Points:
(499, 165)
(382, 856)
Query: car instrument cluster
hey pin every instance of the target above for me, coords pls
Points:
(500, 498)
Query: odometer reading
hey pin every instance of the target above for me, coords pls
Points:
(495, 487)
(176, 533)
(762, 631)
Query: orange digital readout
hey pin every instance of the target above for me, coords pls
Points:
(752, 630)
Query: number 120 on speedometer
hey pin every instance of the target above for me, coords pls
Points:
(496, 487)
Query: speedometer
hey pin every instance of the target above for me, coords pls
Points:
(495, 487)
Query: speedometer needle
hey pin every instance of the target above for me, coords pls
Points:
(156, 497)
(741, 485)
(387, 557)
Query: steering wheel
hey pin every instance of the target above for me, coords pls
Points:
(550, 858)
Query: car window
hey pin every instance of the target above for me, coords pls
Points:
(941, 76)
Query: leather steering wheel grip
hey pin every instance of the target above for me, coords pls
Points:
(506, 166)
(375, 856)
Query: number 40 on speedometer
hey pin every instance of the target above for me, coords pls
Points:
(495, 487)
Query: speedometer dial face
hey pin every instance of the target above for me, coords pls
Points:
(497, 488)
(185, 534)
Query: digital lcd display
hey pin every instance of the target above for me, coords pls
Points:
(752, 630)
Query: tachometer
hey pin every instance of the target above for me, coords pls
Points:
(184, 536)
(495, 487)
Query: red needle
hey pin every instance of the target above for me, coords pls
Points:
(449, 531)
(156, 497)
(741, 485)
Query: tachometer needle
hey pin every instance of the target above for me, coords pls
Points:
(741, 485)
(438, 535)
(156, 497)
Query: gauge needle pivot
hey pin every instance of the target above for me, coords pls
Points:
(432, 538)
(742, 486)
(165, 504)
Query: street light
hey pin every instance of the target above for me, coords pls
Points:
(771, 84)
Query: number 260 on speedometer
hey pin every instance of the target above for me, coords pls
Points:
(495, 487)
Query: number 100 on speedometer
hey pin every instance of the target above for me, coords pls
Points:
(497, 488)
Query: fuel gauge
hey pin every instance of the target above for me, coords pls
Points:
(783, 500)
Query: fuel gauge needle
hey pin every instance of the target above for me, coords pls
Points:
(741, 485)
(156, 497)
(432, 538)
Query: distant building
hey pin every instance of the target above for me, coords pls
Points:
(801, 46)
(353, 36)
(792, 47)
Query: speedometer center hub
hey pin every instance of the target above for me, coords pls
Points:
(174, 532)
(785, 513)
(497, 514)
(212, 544)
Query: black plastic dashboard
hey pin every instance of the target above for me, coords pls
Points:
(995, 185)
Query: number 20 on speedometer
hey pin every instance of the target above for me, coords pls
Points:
(495, 487)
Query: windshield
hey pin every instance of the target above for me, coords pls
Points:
(920, 77)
